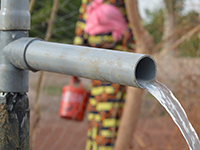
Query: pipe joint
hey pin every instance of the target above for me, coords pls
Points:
(12, 78)
(16, 53)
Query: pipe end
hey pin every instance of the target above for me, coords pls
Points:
(145, 71)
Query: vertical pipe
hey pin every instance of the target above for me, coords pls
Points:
(14, 24)
(14, 15)
(14, 107)
(14, 80)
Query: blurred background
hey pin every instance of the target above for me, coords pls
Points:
(175, 27)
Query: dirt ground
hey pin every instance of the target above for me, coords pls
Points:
(155, 130)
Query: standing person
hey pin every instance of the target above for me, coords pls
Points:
(103, 24)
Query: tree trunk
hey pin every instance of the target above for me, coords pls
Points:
(184, 37)
(144, 44)
(144, 41)
(169, 27)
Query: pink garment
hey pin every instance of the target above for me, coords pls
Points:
(104, 18)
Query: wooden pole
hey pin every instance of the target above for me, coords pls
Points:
(31, 5)
(41, 77)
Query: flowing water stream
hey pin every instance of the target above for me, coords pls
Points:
(174, 108)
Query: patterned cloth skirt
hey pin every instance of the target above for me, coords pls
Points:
(104, 111)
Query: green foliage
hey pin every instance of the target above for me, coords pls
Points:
(64, 26)
(190, 47)
(190, 19)
(66, 21)
(155, 25)
(39, 18)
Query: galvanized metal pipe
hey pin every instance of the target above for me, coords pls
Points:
(106, 65)
(14, 111)
(14, 24)
(14, 15)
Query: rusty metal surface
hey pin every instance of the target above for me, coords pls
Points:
(14, 15)
(14, 121)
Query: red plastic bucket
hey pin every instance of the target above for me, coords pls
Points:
(73, 101)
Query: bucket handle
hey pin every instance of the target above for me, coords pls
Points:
(71, 82)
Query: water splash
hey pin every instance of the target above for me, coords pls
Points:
(174, 108)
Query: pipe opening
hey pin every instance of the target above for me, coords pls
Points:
(145, 71)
